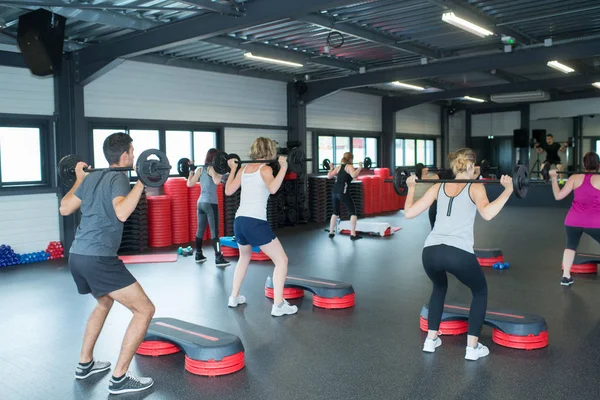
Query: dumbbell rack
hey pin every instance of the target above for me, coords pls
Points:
(135, 229)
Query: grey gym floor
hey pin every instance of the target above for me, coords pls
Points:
(371, 351)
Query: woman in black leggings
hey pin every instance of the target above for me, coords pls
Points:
(341, 193)
(449, 246)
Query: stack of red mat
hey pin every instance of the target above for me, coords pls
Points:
(368, 194)
(159, 221)
(193, 195)
(176, 189)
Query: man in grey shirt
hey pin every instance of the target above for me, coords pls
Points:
(106, 201)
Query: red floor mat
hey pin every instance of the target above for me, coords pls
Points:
(149, 258)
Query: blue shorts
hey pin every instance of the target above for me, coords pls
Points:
(252, 231)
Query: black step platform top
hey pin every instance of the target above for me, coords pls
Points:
(320, 287)
(507, 321)
(487, 253)
(197, 342)
(582, 258)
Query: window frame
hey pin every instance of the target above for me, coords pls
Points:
(405, 137)
(48, 181)
(161, 126)
(316, 133)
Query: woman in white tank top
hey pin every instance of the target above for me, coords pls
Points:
(251, 228)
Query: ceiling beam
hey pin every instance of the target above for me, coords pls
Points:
(11, 59)
(212, 67)
(473, 14)
(215, 7)
(202, 27)
(456, 65)
(369, 35)
(399, 103)
(507, 76)
(280, 53)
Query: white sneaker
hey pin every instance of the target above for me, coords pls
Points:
(285, 309)
(430, 345)
(475, 353)
(236, 301)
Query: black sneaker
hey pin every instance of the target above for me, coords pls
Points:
(200, 257)
(331, 235)
(128, 384)
(94, 367)
(220, 261)
(566, 281)
(356, 237)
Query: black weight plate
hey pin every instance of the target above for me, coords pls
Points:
(399, 181)
(296, 159)
(327, 164)
(367, 163)
(520, 181)
(220, 163)
(66, 169)
(184, 167)
(153, 172)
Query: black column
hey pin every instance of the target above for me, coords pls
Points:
(576, 153)
(468, 129)
(523, 153)
(387, 144)
(445, 132)
(71, 134)
(296, 113)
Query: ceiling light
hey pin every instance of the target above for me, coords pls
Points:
(452, 19)
(272, 60)
(560, 67)
(596, 84)
(475, 99)
(407, 86)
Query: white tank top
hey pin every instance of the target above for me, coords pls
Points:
(254, 196)
(454, 220)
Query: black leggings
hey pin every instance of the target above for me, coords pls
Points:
(208, 213)
(440, 259)
(574, 235)
(336, 198)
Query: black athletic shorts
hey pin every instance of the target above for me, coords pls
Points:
(552, 161)
(345, 198)
(99, 275)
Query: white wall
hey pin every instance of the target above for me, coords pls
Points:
(239, 140)
(564, 109)
(457, 130)
(29, 223)
(137, 90)
(495, 124)
(345, 110)
(419, 120)
(24, 93)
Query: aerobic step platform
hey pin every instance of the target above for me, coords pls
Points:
(326, 293)
(208, 352)
(488, 257)
(585, 263)
(510, 329)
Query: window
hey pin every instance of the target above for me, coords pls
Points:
(14, 143)
(334, 147)
(412, 151)
(179, 145)
(597, 146)
(203, 141)
(143, 140)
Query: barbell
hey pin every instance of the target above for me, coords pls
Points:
(484, 169)
(184, 166)
(366, 164)
(295, 159)
(521, 181)
(546, 172)
(152, 172)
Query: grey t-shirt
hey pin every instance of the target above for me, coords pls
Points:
(100, 231)
(209, 189)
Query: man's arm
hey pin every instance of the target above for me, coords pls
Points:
(70, 202)
(125, 205)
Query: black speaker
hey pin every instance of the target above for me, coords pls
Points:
(41, 37)
(539, 135)
(520, 138)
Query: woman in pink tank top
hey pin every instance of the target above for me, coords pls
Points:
(584, 215)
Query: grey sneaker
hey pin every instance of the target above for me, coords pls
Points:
(128, 384)
(94, 367)
(430, 345)
(236, 301)
(285, 309)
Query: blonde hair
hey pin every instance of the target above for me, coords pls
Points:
(263, 149)
(347, 158)
(460, 160)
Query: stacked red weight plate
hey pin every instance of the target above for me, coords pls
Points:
(176, 189)
(193, 195)
(367, 194)
(159, 221)
(221, 201)
(377, 194)
(385, 196)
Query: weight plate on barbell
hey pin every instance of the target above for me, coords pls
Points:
(399, 182)
(367, 163)
(327, 164)
(183, 167)
(220, 163)
(153, 172)
(296, 159)
(66, 169)
(520, 181)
